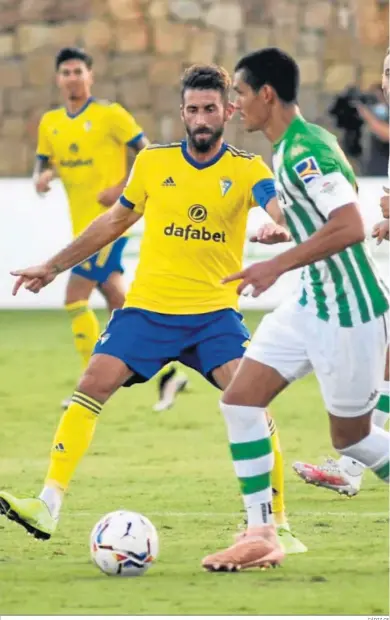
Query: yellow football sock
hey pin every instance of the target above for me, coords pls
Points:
(85, 328)
(72, 439)
(277, 478)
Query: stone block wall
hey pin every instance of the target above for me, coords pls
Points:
(140, 48)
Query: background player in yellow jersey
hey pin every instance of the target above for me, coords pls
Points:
(195, 196)
(86, 141)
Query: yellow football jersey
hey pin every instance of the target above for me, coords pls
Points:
(88, 150)
(195, 224)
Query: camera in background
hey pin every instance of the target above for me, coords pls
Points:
(359, 139)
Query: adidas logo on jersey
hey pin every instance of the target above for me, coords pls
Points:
(169, 182)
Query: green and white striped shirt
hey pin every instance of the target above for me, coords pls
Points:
(313, 177)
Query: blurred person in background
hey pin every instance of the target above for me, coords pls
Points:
(363, 118)
(376, 118)
(86, 142)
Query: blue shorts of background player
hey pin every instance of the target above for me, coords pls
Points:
(101, 265)
(146, 341)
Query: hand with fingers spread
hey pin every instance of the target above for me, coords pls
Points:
(384, 202)
(34, 278)
(381, 231)
(271, 233)
(256, 279)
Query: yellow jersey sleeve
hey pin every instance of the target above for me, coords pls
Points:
(124, 127)
(44, 148)
(261, 182)
(134, 195)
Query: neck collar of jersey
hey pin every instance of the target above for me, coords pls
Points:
(82, 109)
(292, 126)
(206, 164)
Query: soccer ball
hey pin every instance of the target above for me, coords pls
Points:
(124, 543)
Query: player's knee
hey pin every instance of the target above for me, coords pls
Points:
(75, 297)
(96, 386)
(241, 395)
(71, 299)
(233, 396)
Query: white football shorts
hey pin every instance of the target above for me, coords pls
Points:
(348, 362)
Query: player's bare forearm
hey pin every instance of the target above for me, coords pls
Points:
(43, 175)
(276, 213)
(41, 165)
(108, 197)
(344, 228)
(103, 230)
(377, 126)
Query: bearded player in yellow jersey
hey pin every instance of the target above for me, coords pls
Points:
(86, 142)
(195, 197)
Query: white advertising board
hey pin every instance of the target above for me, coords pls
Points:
(34, 228)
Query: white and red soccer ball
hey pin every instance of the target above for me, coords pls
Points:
(124, 543)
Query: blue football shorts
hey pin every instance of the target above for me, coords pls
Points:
(146, 341)
(100, 266)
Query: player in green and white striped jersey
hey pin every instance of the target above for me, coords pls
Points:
(335, 326)
(345, 475)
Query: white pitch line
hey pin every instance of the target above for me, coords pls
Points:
(217, 515)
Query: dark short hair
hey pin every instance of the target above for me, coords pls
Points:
(206, 77)
(73, 53)
(274, 67)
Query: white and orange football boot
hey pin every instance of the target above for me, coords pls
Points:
(257, 547)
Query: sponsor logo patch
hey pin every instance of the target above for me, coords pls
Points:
(307, 169)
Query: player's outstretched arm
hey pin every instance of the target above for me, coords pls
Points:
(344, 228)
(100, 233)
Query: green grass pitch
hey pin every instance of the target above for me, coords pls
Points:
(175, 468)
